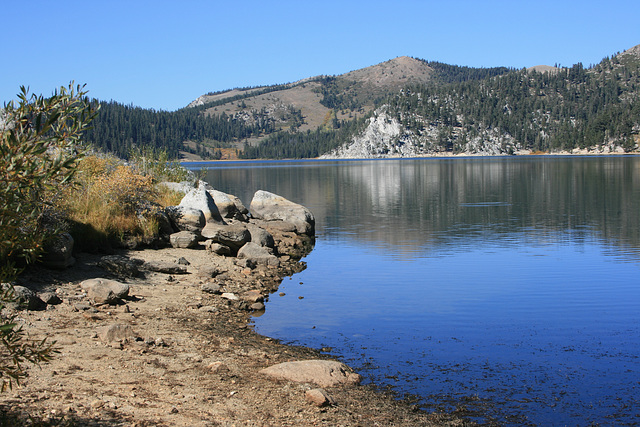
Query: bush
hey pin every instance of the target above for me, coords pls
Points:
(38, 152)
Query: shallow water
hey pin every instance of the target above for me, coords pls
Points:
(510, 286)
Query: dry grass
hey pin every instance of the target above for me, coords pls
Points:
(112, 204)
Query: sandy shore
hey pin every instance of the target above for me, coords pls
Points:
(193, 358)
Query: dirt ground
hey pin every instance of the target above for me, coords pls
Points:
(193, 360)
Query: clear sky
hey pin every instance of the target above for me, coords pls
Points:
(164, 54)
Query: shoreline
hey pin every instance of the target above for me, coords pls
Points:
(583, 153)
(193, 358)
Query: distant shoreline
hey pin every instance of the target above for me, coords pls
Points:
(430, 156)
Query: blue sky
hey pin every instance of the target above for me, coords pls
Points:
(164, 54)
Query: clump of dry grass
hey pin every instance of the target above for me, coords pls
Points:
(113, 204)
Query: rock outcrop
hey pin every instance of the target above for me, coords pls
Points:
(222, 224)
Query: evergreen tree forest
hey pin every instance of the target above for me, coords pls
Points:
(120, 128)
(301, 145)
(571, 108)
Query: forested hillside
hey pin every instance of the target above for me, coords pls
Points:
(432, 107)
(120, 128)
(564, 109)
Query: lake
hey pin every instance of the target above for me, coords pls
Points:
(508, 287)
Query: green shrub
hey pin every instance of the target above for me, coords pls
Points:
(38, 153)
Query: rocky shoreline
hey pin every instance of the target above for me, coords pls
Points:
(162, 336)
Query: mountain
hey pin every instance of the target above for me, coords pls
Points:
(402, 107)
(540, 109)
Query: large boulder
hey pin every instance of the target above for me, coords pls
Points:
(199, 198)
(324, 373)
(229, 206)
(186, 218)
(184, 239)
(270, 207)
(58, 252)
(234, 235)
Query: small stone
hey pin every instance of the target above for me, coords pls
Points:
(217, 367)
(253, 296)
(319, 397)
(173, 410)
(208, 272)
(50, 298)
(116, 332)
(257, 306)
(184, 239)
(211, 288)
(230, 296)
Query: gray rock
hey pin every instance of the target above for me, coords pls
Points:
(229, 206)
(165, 267)
(50, 298)
(257, 306)
(199, 198)
(257, 254)
(261, 236)
(211, 288)
(184, 239)
(234, 235)
(217, 248)
(26, 299)
(208, 271)
(58, 252)
(253, 295)
(165, 227)
(105, 291)
(270, 207)
(186, 218)
(324, 373)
